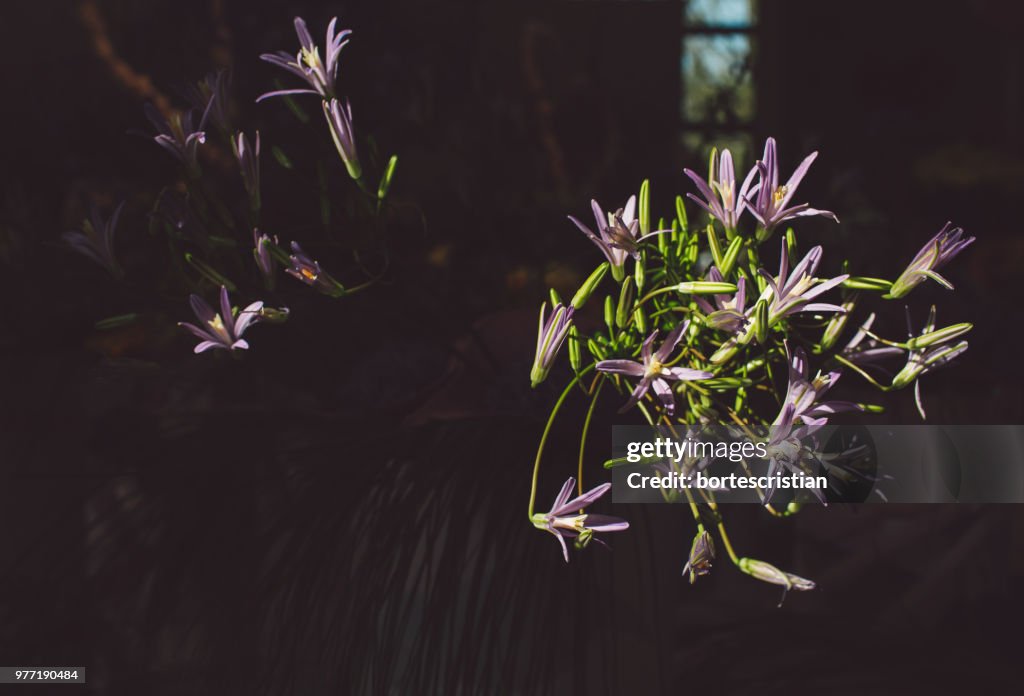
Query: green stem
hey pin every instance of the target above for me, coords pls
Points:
(547, 430)
(586, 429)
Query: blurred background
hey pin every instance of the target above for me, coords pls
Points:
(341, 510)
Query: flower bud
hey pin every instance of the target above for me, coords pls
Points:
(766, 572)
(863, 283)
(940, 336)
(705, 287)
(589, 285)
(625, 306)
(551, 333)
(702, 552)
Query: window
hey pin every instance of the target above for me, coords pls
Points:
(717, 73)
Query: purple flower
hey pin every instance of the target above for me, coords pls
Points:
(177, 134)
(792, 293)
(308, 270)
(96, 239)
(616, 234)
(730, 313)
(803, 399)
(318, 74)
(551, 335)
(770, 207)
(702, 552)
(566, 519)
(339, 120)
(719, 192)
(802, 414)
(652, 372)
(223, 330)
(249, 163)
(261, 252)
(934, 255)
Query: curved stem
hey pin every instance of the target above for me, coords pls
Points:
(547, 430)
(586, 429)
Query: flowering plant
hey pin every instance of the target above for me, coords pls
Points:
(219, 224)
(729, 326)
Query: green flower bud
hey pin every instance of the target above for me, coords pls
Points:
(864, 283)
(932, 338)
(625, 306)
(589, 285)
(705, 287)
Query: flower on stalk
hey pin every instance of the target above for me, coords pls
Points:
(924, 356)
(934, 255)
(766, 572)
(551, 334)
(96, 239)
(339, 120)
(261, 252)
(616, 234)
(567, 521)
(802, 414)
(248, 157)
(802, 403)
(729, 315)
(308, 270)
(770, 206)
(221, 330)
(792, 293)
(318, 74)
(653, 372)
(177, 134)
(719, 191)
(702, 552)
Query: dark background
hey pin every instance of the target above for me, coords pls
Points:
(341, 511)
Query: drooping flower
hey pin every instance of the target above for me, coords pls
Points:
(339, 120)
(308, 270)
(249, 164)
(616, 234)
(652, 372)
(551, 334)
(702, 552)
(721, 200)
(177, 134)
(766, 572)
(221, 330)
(770, 206)
(566, 520)
(934, 255)
(319, 74)
(730, 313)
(96, 239)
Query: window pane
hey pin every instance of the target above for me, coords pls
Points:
(720, 13)
(718, 84)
